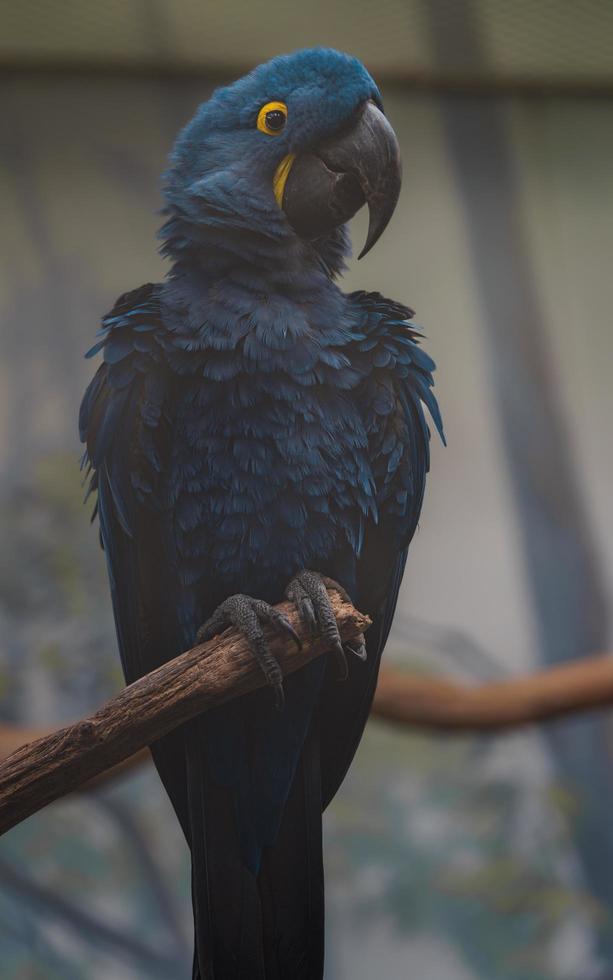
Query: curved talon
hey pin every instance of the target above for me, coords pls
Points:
(279, 696)
(307, 612)
(297, 593)
(331, 583)
(275, 618)
(307, 591)
(360, 652)
(248, 615)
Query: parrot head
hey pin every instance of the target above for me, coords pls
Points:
(289, 152)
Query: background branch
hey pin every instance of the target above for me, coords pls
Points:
(427, 702)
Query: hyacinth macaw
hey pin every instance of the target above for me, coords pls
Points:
(254, 432)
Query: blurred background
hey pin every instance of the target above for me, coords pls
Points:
(448, 858)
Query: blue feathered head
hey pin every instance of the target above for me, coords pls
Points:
(292, 150)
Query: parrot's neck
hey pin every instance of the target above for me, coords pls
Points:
(281, 261)
(220, 276)
(265, 306)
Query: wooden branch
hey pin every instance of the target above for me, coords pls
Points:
(425, 702)
(14, 737)
(201, 678)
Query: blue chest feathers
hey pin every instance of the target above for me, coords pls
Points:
(270, 466)
(270, 475)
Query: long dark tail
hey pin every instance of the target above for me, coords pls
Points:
(268, 926)
(291, 882)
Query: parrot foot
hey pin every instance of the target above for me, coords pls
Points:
(248, 615)
(307, 590)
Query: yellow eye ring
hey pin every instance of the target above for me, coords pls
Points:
(272, 118)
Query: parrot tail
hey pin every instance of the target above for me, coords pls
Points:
(267, 925)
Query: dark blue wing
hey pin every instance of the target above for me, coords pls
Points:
(124, 421)
(397, 385)
(124, 425)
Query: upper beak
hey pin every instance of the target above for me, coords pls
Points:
(326, 186)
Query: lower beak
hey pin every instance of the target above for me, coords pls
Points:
(324, 188)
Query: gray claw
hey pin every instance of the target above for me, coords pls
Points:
(247, 615)
(308, 613)
(358, 649)
(279, 697)
(275, 618)
(308, 591)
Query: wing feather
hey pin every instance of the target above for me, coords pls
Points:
(397, 384)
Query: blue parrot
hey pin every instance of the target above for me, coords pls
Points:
(252, 433)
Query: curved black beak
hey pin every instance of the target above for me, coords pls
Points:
(325, 187)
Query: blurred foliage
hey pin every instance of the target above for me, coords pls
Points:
(53, 598)
(445, 840)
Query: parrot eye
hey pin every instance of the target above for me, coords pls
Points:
(272, 118)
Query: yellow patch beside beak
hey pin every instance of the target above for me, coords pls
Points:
(280, 177)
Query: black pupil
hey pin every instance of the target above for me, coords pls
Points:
(275, 120)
